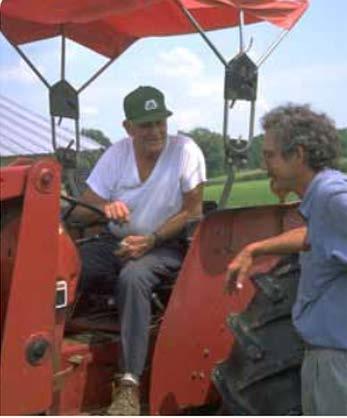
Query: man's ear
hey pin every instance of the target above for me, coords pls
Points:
(127, 125)
(300, 152)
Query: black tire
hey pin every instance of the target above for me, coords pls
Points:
(262, 373)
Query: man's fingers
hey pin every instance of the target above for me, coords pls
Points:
(236, 276)
(121, 211)
(241, 277)
(110, 211)
(117, 210)
(135, 239)
(230, 280)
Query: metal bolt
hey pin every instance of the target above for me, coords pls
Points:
(36, 350)
(44, 180)
(206, 352)
(46, 177)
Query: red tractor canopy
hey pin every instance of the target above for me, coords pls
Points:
(109, 27)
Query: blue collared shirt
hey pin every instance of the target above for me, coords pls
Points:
(320, 310)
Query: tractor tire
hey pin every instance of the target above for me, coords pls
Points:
(262, 373)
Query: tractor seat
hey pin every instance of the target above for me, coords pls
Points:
(97, 310)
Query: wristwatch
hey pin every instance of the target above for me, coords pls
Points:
(158, 240)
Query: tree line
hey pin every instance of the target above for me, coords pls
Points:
(212, 146)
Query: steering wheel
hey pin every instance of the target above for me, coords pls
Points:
(73, 202)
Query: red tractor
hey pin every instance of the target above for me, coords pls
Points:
(58, 349)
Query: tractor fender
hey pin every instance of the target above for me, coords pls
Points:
(194, 335)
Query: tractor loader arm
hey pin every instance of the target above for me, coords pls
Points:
(39, 272)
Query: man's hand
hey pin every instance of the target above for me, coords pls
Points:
(135, 246)
(116, 210)
(239, 269)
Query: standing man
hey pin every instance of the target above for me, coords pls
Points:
(151, 183)
(300, 149)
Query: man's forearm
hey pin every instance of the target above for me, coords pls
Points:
(83, 214)
(286, 243)
(174, 225)
(191, 209)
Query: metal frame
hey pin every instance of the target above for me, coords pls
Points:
(62, 72)
(227, 103)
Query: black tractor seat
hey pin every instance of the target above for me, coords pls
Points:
(97, 309)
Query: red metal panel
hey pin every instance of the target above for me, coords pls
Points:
(193, 335)
(30, 311)
(12, 181)
(87, 385)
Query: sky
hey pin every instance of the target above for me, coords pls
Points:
(309, 66)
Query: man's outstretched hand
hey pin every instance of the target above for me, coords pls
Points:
(239, 269)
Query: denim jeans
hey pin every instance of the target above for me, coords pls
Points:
(134, 281)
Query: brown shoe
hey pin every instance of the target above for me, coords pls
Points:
(126, 399)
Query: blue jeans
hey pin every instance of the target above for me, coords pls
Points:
(134, 281)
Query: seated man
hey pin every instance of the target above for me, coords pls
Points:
(151, 183)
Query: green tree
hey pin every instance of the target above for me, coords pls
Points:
(98, 136)
(88, 158)
(343, 136)
(254, 153)
(211, 144)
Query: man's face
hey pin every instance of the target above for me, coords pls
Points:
(283, 171)
(150, 137)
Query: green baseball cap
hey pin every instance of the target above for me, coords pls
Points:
(145, 104)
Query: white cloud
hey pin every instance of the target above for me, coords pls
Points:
(188, 118)
(179, 62)
(90, 110)
(307, 77)
(19, 73)
(206, 87)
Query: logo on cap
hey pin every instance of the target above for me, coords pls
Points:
(151, 105)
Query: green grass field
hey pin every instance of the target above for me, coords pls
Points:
(249, 193)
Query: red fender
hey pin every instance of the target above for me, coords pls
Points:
(193, 336)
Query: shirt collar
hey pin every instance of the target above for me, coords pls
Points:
(307, 200)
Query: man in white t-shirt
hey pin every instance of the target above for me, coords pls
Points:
(151, 183)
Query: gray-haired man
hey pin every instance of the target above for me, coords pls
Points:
(300, 149)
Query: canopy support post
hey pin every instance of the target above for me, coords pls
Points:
(93, 77)
(63, 53)
(272, 47)
(232, 92)
(62, 63)
(223, 201)
(30, 64)
(77, 130)
(197, 26)
(241, 24)
(54, 140)
(57, 105)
